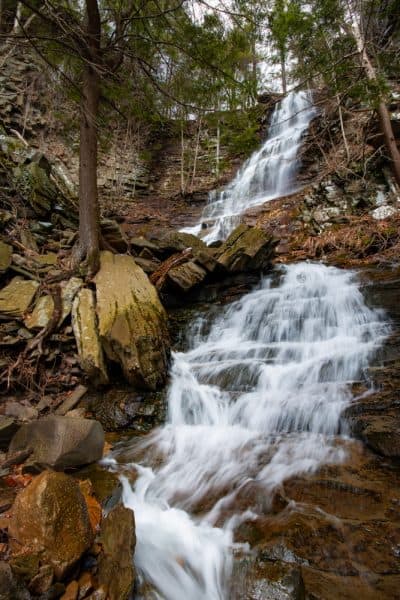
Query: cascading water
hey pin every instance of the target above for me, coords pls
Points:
(257, 397)
(269, 173)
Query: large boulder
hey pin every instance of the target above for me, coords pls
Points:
(50, 521)
(118, 539)
(132, 322)
(246, 249)
(60, 442)
(84, 324)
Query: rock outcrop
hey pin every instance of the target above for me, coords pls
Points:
(246, 249)
(50, 525)
(60, 442)
(132, 322)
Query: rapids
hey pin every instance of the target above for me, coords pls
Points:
(269, 173)
(256, 397)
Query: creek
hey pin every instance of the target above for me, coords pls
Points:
(256, 397)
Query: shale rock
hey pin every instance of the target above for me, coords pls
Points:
(186, 276)
(246, 249)
(132, 322)
(60, 442)
(17, 296)
(50, 520)
(84, 324)
(116, 571)
(5, 256)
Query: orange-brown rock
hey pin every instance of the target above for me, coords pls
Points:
(50, 520)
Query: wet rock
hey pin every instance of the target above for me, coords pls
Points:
(10, 587)
(246, 249)
(17, 296)
(60, 531)
(105, 484)
(8, 427)
(259, 580)
(116, 571)
(132, 321)
(84, 324)
(120, 408)
(5, 256)
(379, 432)
(60, 442)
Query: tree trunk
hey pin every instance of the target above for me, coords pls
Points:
(283, 73)
(89, 213)
(384, 116)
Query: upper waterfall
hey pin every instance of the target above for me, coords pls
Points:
(269, 173)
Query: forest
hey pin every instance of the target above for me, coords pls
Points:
(199, 317)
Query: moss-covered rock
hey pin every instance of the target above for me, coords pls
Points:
(17, 296)
(84, 324)
(132, 322)
(247, 249)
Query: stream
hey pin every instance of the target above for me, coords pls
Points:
(255, 398)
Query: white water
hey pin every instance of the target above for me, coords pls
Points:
(269, 173)
(257, 397)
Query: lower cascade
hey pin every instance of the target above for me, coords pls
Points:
(256, 398)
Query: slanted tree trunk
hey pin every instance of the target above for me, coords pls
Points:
(89, 213)
(384, 115)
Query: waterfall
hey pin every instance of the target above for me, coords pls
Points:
(256, 397)
(269, 173)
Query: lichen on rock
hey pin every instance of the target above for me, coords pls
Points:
(132, 322)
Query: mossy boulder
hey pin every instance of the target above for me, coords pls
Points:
(50, 521)
(132, 323)
(247, 249)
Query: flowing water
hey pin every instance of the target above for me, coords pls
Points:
(269, 173)
(256, 397)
